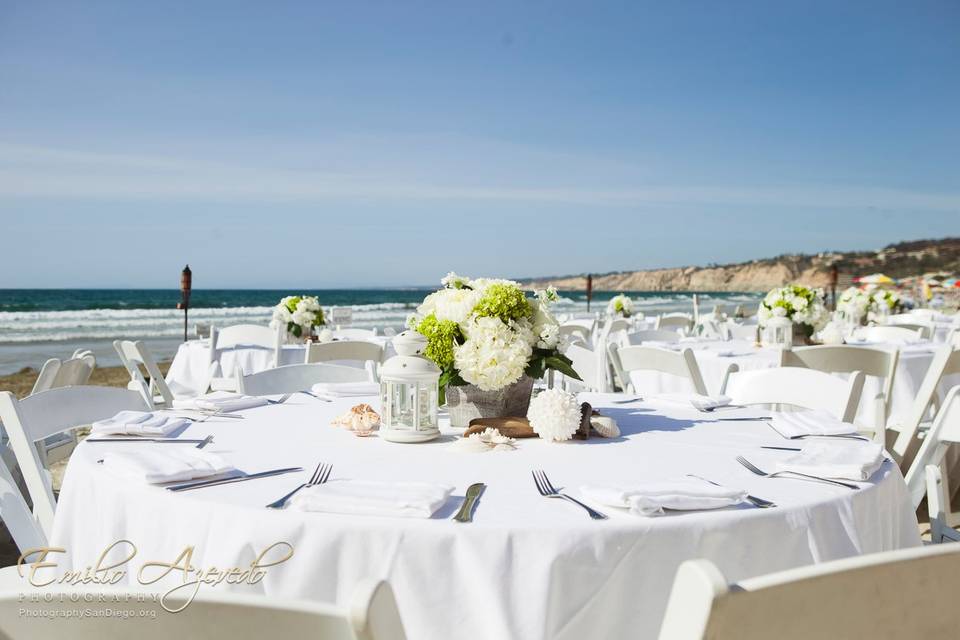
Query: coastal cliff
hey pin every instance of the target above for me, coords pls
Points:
(896, 260)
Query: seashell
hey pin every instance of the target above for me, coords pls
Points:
(605, 426)
(361, 419)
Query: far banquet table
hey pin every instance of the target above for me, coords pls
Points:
(189, 368)
(715, 356)
(527, 567)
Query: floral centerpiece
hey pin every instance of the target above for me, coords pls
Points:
(490, 342)
(299, 314)
(853, 304)
(882, 304)
(620, 305)
(801, 305)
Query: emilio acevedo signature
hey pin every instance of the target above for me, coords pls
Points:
(43, 571)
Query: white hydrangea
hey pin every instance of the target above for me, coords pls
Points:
(852, 305)
(554, 415)
(546, 328)
(800, 304)
(453, 281)
(494, 354)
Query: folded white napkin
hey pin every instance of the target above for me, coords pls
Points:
(698, 401)
(138, 423)
(849, 460)
(169, 464)
(220, 401)
(794, 424)
(651, 498)
(346, 389)
(373, 498)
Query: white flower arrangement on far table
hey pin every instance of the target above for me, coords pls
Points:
(882, 304)
(852, 305)
(299, 314)
(487, 333)
(620, 305)
(801, 305)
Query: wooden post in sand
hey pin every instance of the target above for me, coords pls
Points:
(589, 290)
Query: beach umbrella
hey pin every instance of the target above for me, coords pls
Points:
(876, 278)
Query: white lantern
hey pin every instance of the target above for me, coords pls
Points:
(778, 333)
(409, 387)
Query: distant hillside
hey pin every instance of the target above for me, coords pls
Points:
(896, 260)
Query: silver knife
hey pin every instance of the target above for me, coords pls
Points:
(196, 484)
(469, 505)
(200, 443)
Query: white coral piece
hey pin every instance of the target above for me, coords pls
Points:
(554, 415)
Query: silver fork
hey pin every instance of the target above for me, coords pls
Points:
(547, 490)
(759, 503)
(753, 468)
(282, 399)
(320, 475)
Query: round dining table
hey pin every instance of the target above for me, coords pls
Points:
(526, 567)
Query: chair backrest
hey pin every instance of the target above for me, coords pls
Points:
(742, 331)
(910, 593)
(617, 324)
(641, 358)
(576, 331)
(944, 432)
(355, 334)
(371, 614)
(881, 363)
(912, 322)
(358, 350)
(895, 335)
(946, 361)
(246, 335)
(297, 377)
(805, 388)
(134, 355)
(657, 335)
(16, 514)
(675, 321)
(41, 415)
(586, 362)
(65, 373)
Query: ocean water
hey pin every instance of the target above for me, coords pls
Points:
(36, 324)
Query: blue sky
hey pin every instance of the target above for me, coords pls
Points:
(324, 144)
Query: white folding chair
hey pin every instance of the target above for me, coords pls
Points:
(742, 331)
(248, 335)
(371, 614)
(930, 459)
(368, 354)
(798, 387)
(574, 332)
(41, 415)
(895, 335)
(355, 334)
(903, 433)
(655, 335)
(913, 323)
(297, 377)
(682, 322)
(587, 364)
(682, 364)
(880, 363)
(134, 355)
(65, 373)
(16, 516)
(54, 374)
(910, 593)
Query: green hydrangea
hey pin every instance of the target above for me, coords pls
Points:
(503, 301)
(441, 336)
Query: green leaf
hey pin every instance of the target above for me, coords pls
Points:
(562, 364)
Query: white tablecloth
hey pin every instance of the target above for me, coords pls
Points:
(527, 567)
(190, 364)
(713, 358)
